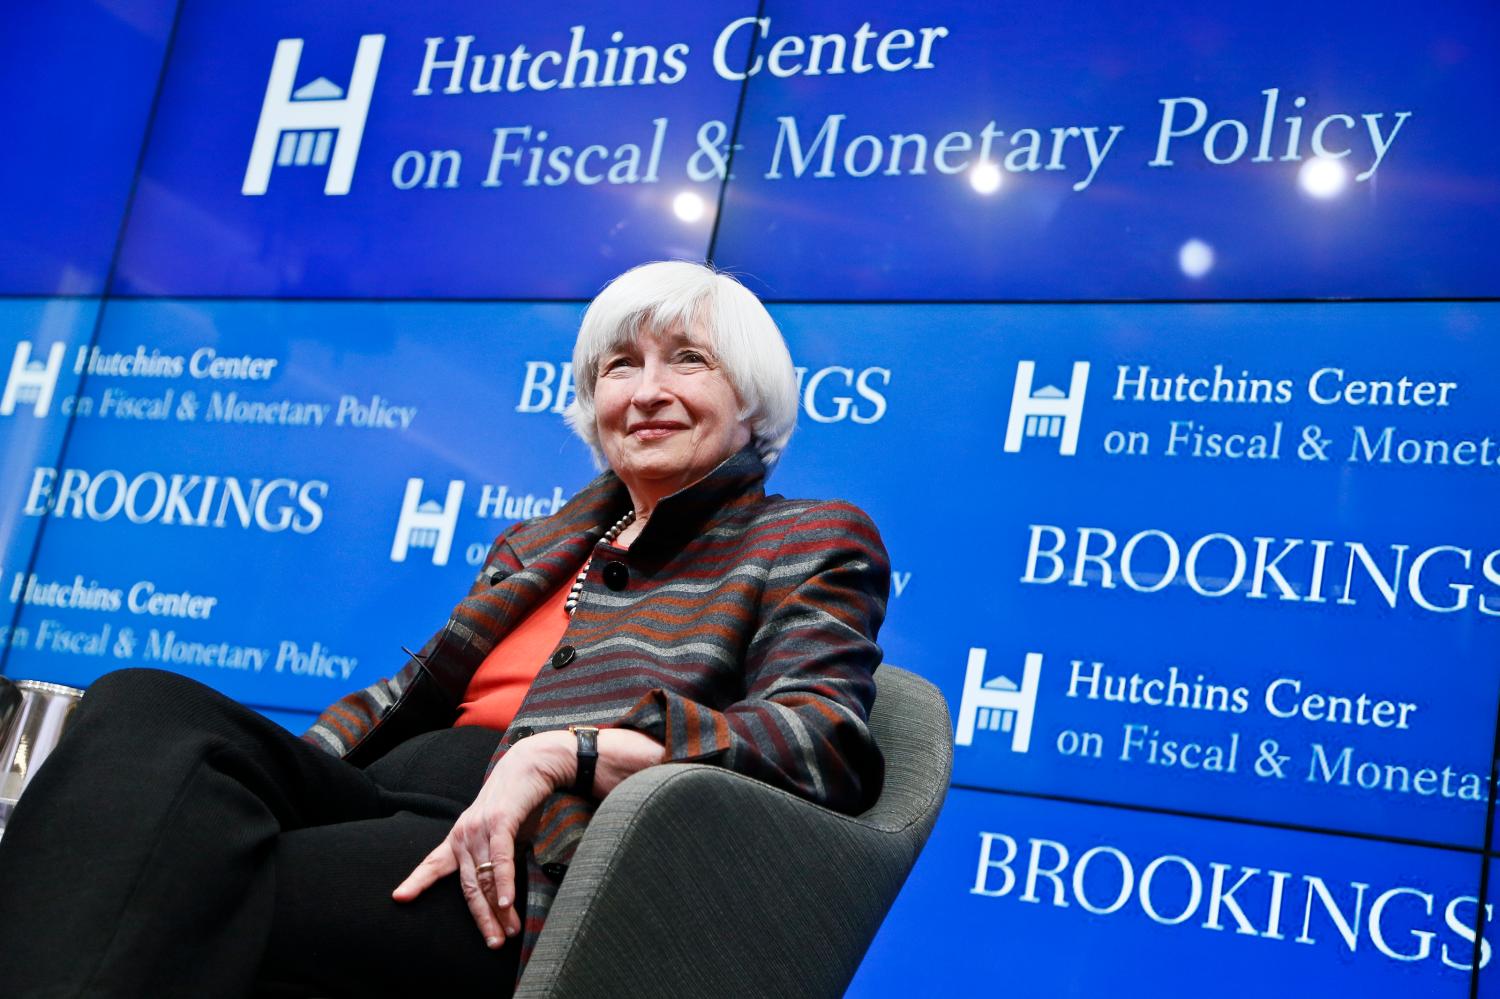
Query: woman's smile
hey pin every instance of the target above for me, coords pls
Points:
(655, 430)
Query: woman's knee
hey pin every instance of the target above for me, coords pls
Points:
(145, 693)
(137, 683)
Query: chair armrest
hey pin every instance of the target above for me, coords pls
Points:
(693, 880)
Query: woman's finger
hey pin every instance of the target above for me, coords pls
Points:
(436, 865)
(474, 898)
(502, 851)
(477, 842)
(510, 915)
(491, 884)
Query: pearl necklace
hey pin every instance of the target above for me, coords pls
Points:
(571, 604)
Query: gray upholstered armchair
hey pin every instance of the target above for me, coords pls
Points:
(694, 881)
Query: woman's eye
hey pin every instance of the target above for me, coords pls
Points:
(616, 363)
(691, 357)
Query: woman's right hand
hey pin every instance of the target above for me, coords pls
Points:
(488, 831)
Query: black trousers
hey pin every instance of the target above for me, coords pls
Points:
(178, 844)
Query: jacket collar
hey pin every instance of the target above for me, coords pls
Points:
(737, 481)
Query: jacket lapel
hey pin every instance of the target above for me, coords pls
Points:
(549, 551)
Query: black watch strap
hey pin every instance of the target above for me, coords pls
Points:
(588, 758)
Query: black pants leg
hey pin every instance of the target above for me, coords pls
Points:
(178, 844)
(334, 885)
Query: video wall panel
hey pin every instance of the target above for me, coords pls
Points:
(1201, 558)
(1071, 151)
(1488, 976)
(254, 487)
(451, 150)
(71, 156)
(1068, 900)
(43, 352)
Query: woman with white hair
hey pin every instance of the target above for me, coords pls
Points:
(669, 612)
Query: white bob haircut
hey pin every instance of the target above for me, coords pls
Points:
(676, 293)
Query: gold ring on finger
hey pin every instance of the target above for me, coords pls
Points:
(487, 867)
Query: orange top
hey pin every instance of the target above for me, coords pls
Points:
(501, 681)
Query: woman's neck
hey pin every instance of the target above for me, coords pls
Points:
(627, 537)
(643, 502)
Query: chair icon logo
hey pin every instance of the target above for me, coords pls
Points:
(303, 127)
(1047, 412)
(999, 705)
(426, 524)
(31, 381)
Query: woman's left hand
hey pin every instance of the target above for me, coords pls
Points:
(486, 833)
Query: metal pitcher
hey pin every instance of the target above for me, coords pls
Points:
(33, 716)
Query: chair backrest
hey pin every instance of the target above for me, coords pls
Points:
(911, 725)
(692, 880)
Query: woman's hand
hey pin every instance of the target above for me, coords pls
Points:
(487, 832)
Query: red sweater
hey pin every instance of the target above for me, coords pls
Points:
(500, 683)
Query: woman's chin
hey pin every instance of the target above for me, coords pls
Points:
(658, 471)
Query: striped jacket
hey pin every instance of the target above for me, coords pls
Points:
(738, 629)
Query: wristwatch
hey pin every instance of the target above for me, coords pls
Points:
(588, 758)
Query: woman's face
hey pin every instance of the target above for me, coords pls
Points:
(666, 412)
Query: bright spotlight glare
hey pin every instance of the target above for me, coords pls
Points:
(688, 206)
(985, 178)
(1196, 258)
(1323, 177)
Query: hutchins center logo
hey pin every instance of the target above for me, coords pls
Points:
(31, 381)
(1399, 922)
(1048, 412)
(999, 704)
(427, 524)
(302, 127)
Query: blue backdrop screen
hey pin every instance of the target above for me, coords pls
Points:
(72, 159)
(1209, 580)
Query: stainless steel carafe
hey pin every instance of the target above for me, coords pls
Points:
(33, 716)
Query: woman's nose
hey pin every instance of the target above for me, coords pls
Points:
(651, 388)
